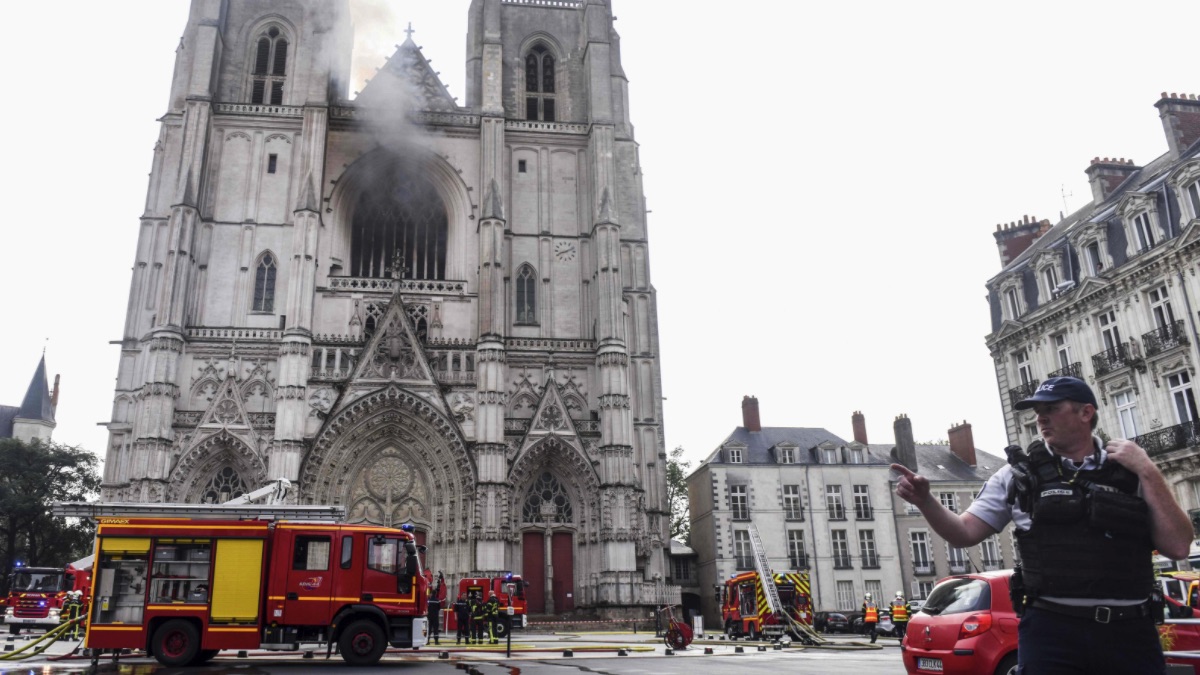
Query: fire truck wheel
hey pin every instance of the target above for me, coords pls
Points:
(362, 643)
(753, 633)
(175, 643)
(500, 629)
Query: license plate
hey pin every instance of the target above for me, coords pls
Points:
(929, 664)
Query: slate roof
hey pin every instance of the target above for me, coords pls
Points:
(7, 414)
(940, 465)
(759, 443)
(680, 548)
(37, 404)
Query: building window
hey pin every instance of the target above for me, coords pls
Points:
(875, 588)
(1050, 277)
(264, 284)
(862, 503)
(520, 166)
(841, 550)
(845, 595)
(792, 508)
(1143, 232)
(1091, 255)
(1109, 333)
(829, 456)
(956, 558)
(857, 456)
(1180, 385)
(1024, 371)
(526, 296)
(787, 455)
(1160, 308)
(272, 163)
(833, 502)
(989, 551)
(1192, 198)
(1062, 350)
(270, 67)
(922, 589)
(1014, 306)
(224, 486)
(400, 231)
(866, 548)
(922, 561)
(735, 455)
(1126, 403)
(683, 569)
(547, 501)
(742, 554)
(738, 503)
(796, 556)
(539, 84)
(949, 500)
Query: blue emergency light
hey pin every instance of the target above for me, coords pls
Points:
(407, 527)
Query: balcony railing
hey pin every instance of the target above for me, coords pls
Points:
(864, 513)
(1112, 359)
(798, 562)
(1073, 370)
(958, 567)
(842, 562)
(923, 568)
(837, 512)
(743, 562)
(870, 561)
(1172, 438)
(793, 513)
(1024, 391)
(1167, 337)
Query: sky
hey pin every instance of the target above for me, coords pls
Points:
(824, 181)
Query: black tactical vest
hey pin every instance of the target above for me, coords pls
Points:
(1090, 536)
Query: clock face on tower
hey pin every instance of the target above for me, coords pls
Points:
(565, 250)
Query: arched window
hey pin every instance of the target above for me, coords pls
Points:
(539, 84)
(547, 502)
(270, 67)
(399, 229)
(264, 284)
(526, 295)
(224, 486)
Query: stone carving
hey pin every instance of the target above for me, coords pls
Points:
(551, 418)
(321, 400)
(463, 407)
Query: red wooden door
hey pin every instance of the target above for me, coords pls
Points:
(563, 557)
(533, 570)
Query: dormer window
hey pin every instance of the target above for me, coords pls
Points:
(1191, 197)
(787, 455)
(1141, 223)
(829, 456)
(1186, 183)
(1143, 232)
(735, 455)
(270, 67)
(1091, 245)
(1093, 260)
(539, 84)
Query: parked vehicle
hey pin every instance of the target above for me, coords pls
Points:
(36, 595)
(486, 587)
(884, 628)
(744, 609)
(967, 626)
(831, 622)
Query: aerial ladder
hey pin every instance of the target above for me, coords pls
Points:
(766, 577)
(273, 495)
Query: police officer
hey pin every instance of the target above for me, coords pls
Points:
(493, 615)
(1088, 516)
(870, 612)
(478, 618)
(900, 614)
(462, 617)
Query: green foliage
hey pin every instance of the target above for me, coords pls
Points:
(677, 496)
(35, 475)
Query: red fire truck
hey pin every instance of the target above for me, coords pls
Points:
(744, 608)
(486, 587)
(36, 595)
(185, 588)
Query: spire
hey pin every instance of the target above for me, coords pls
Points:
(493, 207)
(37, 404)
(308, 196)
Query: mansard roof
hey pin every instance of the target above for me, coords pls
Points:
(407, 80)
(7, 414)
(758, 444)
(937, 463)
(37, 404)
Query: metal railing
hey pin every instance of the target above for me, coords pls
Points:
(1023, 391)
(1073, 370)
(864, 513)
(870, 561)
(842, 562)
(1111, 359)
(1166, 337)
(798, 562)
(743, 562)
(1171, 438)
(923, 568)
(989, 564)
(837, 512)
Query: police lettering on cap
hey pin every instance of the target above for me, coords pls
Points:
(1059, 389)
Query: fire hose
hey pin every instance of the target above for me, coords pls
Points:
(35, 647)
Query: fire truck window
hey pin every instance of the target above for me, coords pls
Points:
(749, 605)
(383, 555)
(347, 551)
(311, 553)
(181, 571)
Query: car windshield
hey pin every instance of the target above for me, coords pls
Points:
(35, 582)
(959, 595)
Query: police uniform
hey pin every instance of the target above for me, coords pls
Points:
(1085, 561)
(462, 617)
(435, 618)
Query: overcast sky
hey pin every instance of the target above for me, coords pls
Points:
(824, 178)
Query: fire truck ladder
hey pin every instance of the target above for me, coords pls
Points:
(789, 623)
(211, 511)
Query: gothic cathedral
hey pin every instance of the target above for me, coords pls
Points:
(427, 312)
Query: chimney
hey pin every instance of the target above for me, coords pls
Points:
(906, 449)
(860, 427)
(1106, 174)
(1180, 115)
(962, 443)
(750, 414)
(1012, 239)
(54, 395)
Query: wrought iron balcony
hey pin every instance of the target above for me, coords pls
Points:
(989, 564)
(1113, 359)
(1024, 391)
(958, 567)
(841, 562)
(923, 568)
(1161, 339)
(1073, 370)
(870, 561)
(1171, 438)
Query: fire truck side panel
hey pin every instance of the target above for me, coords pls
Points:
(302, 562)
(237, 581)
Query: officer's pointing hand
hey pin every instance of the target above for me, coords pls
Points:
(1129, 455)
(912, 488)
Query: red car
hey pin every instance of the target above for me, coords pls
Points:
(966, 626)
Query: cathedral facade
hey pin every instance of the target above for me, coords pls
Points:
(427, 312)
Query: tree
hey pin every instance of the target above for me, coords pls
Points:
(35, 475)
(677, 496)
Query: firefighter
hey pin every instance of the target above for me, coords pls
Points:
(900, 614)
(870, 615)
(478, 618)
(493, 615)
(435, 610)
(71, 609)
(462, 617)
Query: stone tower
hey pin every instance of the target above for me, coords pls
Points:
(431, 313)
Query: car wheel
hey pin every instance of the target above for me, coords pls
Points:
(362, 643)
(753, 634)
(1008, 666)
(176, 643)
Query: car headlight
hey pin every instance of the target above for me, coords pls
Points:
(8, 613)
(54, 613)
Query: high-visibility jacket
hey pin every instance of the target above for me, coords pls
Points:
(899, 611)
(870, 613)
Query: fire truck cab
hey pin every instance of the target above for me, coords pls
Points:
(35, 597)
(744, 609)
(484, 588)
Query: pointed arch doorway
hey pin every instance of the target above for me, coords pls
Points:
(548, 548)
